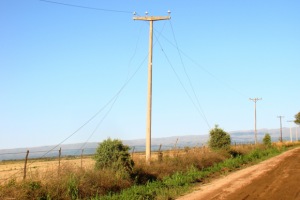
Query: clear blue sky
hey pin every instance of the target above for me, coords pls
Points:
(59, 65)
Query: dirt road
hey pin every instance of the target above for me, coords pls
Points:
(276, 178)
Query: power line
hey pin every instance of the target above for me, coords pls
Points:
(210, 73)
(186, 72)
(181, 82)
(203, 67)
(91, 8)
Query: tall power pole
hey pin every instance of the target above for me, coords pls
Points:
(255, 100)
(149, 102)
(280, 127)
(291, 129)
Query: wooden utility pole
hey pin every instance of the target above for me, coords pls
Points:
(280, 127)
(255, 100)
(149, 103)
(291, 129)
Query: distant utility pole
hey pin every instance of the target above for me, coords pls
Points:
(280, 127)
(291, 129)
(296, 132)
(255, 100)
(149, 104)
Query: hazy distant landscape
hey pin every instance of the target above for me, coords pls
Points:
(139, 144)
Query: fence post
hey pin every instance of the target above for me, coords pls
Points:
(59, 154)
(81, 157)
(25, 164)
(132, 153)
(160, 155)
(174, 147)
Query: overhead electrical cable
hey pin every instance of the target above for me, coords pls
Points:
(181, 82)
(118, 94)
(91, 8)
(203, 67)
(210, 73)
(187, 73)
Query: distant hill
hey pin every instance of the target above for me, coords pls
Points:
(139, 144)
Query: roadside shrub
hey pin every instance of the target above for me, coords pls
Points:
(267, 140)
(218, 138)
(113, 154)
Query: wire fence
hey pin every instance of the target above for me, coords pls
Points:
(17, 161)
(35, 155)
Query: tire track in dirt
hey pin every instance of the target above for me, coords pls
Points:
(275, 178)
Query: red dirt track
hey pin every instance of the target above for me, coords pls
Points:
(276, 178)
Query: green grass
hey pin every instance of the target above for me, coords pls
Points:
(180, 183)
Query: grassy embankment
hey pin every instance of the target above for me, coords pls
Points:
(164, 179)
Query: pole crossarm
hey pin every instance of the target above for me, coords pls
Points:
(151, 18)
(255, 100)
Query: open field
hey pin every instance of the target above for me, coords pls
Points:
(15, 169)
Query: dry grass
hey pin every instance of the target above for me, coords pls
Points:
(17, 168)
(72, 182)
(285, 143)
(44, 179)
(173, 162)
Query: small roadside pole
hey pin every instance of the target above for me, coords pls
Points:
(81, 157)
(132, 153)
(25, 165)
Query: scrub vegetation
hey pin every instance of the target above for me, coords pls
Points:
(124, 178)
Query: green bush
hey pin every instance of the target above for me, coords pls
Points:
(113, 154)
(218, 138)
(267, 140)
